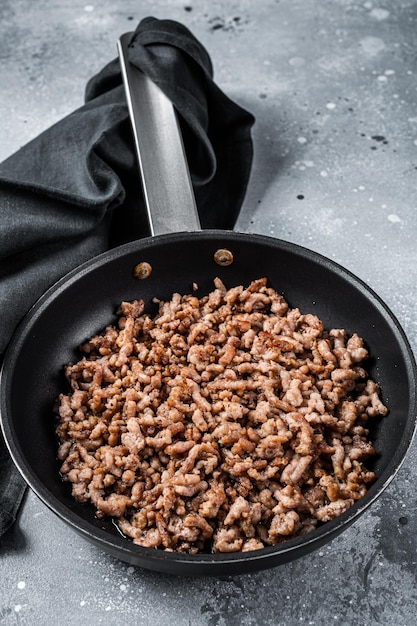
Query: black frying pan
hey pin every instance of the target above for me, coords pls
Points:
(85, 301)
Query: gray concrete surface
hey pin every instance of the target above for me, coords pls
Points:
(333, 87)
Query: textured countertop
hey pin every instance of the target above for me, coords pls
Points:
(333, 87)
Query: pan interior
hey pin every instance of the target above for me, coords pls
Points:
(86, 301)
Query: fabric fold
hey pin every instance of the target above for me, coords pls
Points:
(74, 191)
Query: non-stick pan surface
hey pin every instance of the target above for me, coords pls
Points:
(85, 302)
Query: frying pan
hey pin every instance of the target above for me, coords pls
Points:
(85, 301)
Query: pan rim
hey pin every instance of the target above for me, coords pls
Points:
(124, 545)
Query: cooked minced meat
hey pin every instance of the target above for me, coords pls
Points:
(228, 422)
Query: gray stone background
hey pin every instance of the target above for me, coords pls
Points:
(332, 84)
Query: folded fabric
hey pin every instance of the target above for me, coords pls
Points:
(74, 191)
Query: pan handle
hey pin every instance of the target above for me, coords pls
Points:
(166, 181)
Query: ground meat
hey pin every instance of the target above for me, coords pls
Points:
(228, 422)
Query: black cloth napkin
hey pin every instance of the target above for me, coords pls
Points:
(74, 191)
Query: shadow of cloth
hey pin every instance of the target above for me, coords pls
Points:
(272, 153)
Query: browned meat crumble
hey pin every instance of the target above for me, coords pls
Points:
(228, 422)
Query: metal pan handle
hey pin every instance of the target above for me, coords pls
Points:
(166, 182)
